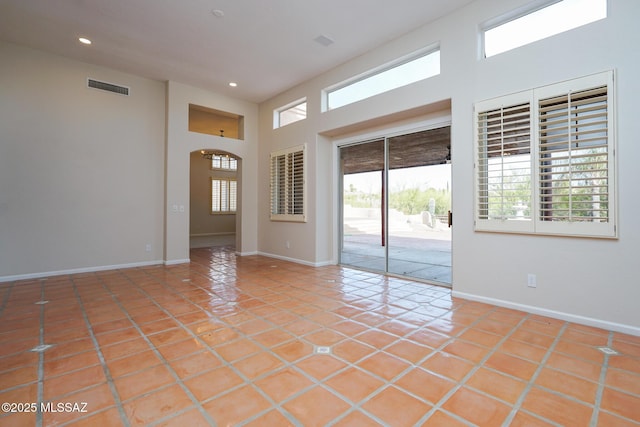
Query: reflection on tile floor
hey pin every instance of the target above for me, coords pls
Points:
(234, 341)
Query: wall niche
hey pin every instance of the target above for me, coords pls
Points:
(215, 122)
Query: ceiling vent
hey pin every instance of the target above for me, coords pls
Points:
(109, 87)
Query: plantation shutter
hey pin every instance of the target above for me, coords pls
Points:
(503, 162)
(288, 184)
(223, 195)
(575, 157)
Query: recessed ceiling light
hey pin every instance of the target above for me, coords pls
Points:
(218, 13)
(84, 40)
(233, 84)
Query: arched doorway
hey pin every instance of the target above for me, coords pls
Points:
(214, 202)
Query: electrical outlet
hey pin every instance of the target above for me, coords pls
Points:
(148, 247)
(531, 280)
(287, 244)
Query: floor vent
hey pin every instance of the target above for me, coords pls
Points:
(322, 350)
(109, 87)
(609, 351)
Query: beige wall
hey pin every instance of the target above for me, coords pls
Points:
(81, 170)
(201, 221)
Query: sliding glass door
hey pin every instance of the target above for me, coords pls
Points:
(395, 204)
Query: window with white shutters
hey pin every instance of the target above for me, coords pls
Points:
(223, 196)
(545, 160)
(288, 176)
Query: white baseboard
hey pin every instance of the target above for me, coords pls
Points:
(246, 253)
(226, 233)
(77, 271)
(589, 321)
(296, 260)
(177, 261)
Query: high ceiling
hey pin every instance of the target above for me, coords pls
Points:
(266, 46)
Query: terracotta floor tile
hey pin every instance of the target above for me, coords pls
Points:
(226, 411)
(141, 382)
(66, 364)
(523, 350)
(283, 384)
(69, 348)
(498, 385)
(609, 420)
(123, 349)
(481, 338)
(316, 407)
(151, 407)
(18, 360)
(76, 380)
(356, 419)
(181, 349)
(620, 403)
(352, 351)
(354, 384)
(398, 328)
(471, 352)
(567, 384)
(376, 338)
(293, 350)
(575, 366)
(448, 366)
(18, 419)
(133, 363)
(218, 336)
(320, 366)
(108, 417)
(384, 365)
(523, 419)
(96, 399)
(195, 364)
(386, 404)
(213, 382)
(190, 418)
(627, 363)
(580, 351)
(258, 364)
(349, 328)
(271, 418)
(325, 337)
(556, 408)
(429, 338)
(512, 365)
(623, 380)
(425, 384)
(477, 408)
(442, 419)
(237, 349)
(532, 338)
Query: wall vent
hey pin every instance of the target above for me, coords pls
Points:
(109, 87)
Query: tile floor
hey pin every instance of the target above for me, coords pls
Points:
(232, 341)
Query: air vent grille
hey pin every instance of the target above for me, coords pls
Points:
(109, 87)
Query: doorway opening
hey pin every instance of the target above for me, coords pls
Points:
(396, 203)
(214, 190)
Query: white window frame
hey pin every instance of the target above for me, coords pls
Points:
(288, 182)
(524, 26)
(224, 162)
(227, 202)
(290, 113)
(581, 138)
(359, 82)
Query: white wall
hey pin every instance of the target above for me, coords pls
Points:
(181, 142)
(586, 280)
(81, 170)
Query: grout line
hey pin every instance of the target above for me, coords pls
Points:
(103, 363)
(601, 383)
(39, 417)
